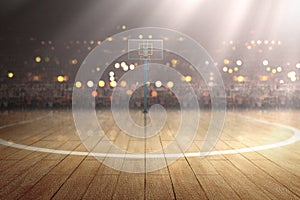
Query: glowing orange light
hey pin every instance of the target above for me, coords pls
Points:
(264, 78)
(35, 78)
(94, 93)
(154, 93)
(74, 61)
(123, 83)
(129, 92)
(226, 61)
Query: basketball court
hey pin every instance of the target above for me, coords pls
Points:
(153, 100)
(256, 157)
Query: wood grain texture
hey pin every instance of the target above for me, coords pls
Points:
(265, 174)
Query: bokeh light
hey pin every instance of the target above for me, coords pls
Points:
(293, 79)
(123, 83)
(259, 42)
(265, 62)
(94, 93)
(125, 68)
(74, 61)
(153, 93)
(90, 84)
(170, 84)
(129, 92)
(239, 62)
(60, 79)
(131, 66)
(117, 65)
(113, 84)
(226, 61)
(101, 83)
(240, 78)
(279, 69)
(10, 75)
(225, 69)
(292, 74)
(158, 84)
(38, 59)
(111, 73)
(188, 78)
(78, 84)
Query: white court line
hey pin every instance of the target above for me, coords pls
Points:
(291, 140)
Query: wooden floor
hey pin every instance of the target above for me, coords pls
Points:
(266, 174)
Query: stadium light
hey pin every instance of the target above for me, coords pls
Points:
(90, 84)
(10, 75)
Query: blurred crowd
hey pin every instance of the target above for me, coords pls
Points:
(60, 96)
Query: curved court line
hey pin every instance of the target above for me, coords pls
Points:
(291, 140)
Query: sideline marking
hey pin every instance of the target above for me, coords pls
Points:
(291, 140)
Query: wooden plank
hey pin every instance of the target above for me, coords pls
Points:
(101, 187)
(184, 181)
(21, 166)
(290, 162)
(249, 155)
(237, 181)
(52, 182)
(201, 166)
(284, 177)
(74, 187)
(20, 184)
(54, 179)
(130, 186)
(216, 187)
(268, 174)
(46, 187)
(265, 181)
(79, 181)
(159, 186)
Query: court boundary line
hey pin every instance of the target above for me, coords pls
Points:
(291, 140)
